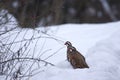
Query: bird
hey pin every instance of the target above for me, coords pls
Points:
(76, 59)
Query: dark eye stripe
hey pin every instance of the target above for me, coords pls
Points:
(69, 43)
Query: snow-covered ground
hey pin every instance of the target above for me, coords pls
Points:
(99, 43)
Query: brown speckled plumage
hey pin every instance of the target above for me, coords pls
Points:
(76, 59)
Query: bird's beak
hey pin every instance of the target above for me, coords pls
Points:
(65, 44)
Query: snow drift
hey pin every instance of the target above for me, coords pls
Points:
(99, 43)
(103, 59)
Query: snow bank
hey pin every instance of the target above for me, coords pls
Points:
(99, 43)
(103, 59)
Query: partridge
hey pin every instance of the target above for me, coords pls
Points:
(76, 59)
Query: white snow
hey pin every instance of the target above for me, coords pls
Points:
(99, 43)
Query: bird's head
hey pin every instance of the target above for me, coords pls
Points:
(67, 43)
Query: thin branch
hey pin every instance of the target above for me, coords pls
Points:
(27, 58)
(53, 53)
(32, 39)
(8, 31)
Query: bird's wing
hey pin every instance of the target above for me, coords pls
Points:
(80, 55)
(73, 62)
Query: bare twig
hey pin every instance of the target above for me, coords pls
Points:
(8, 31)
(27, 58)
(54, 53)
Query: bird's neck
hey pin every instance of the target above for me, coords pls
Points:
(69, 47)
